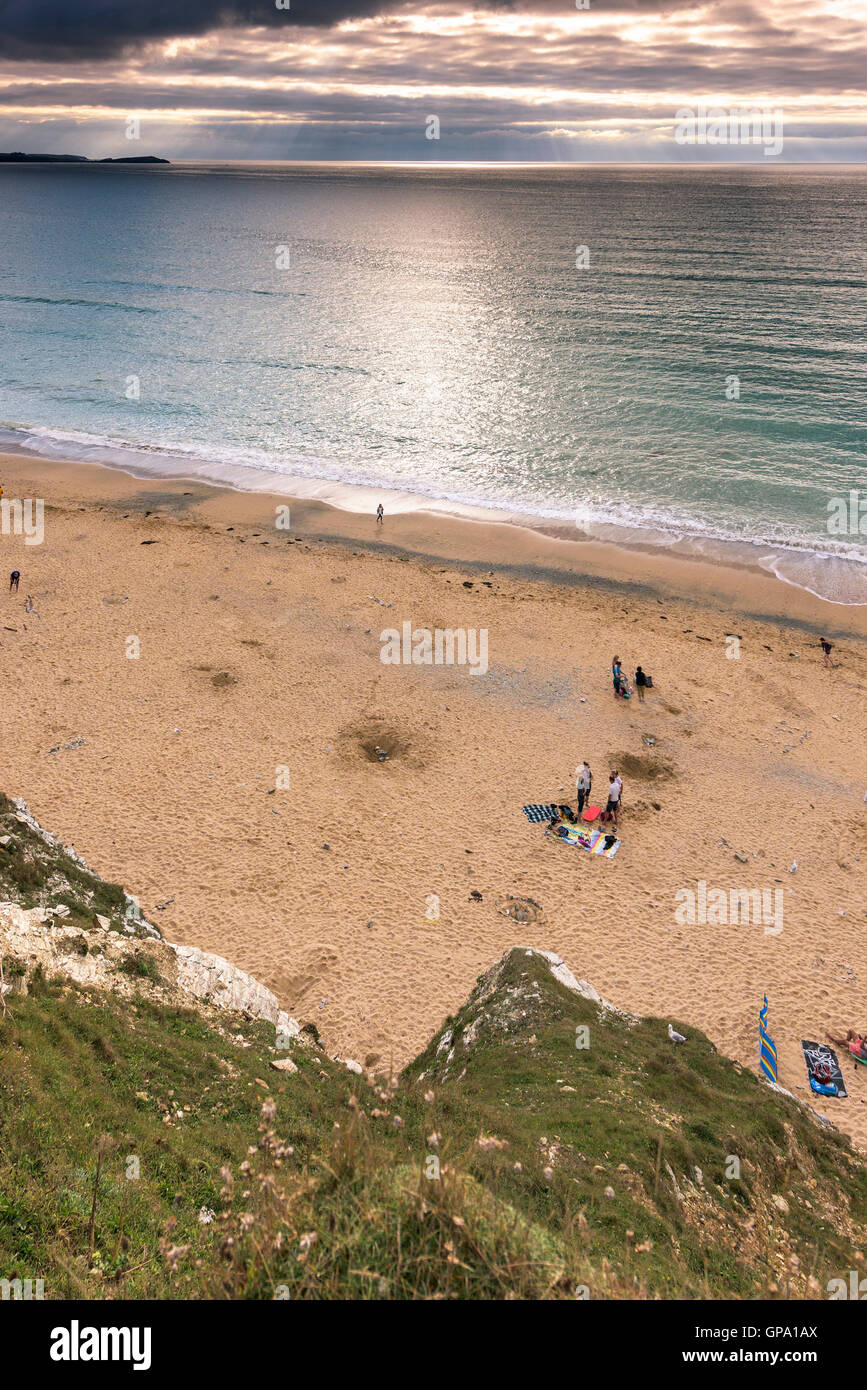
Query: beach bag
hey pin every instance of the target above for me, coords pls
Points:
(648, 681)
(821, 1089)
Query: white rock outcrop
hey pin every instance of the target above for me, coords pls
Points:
(133, 919)
(219, 982)
(32, 937)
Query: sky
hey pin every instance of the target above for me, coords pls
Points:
(432, 81)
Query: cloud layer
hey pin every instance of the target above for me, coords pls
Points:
(340, 79)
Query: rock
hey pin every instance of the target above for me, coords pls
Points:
(218, 982)
(780, 1203)
(741, 858)
(355, 1067)
(284, 1064)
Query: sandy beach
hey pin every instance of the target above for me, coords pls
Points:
(229, 768)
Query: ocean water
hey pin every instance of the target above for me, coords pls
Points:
(428, 334)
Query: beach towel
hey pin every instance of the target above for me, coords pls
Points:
(820, 1054)
(538, 811)
(592, 813)
(599, 846)
(591, 840)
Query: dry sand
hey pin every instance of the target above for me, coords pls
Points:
(258, 653)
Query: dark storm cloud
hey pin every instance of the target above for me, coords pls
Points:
(100, 28)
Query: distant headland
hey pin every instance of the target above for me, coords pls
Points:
(16, 157)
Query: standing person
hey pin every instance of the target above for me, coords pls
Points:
(14, 579)
(585, 782)
(827, 648)
(640, 683)
(616, 674)
(615, 789)
(380, 513)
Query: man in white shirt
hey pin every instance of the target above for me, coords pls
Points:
(615, 790)
(585, 782)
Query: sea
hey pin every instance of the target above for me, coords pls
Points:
(666, 357)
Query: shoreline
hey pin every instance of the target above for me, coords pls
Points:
(549, 552)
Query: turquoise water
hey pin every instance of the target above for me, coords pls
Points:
(431, 336)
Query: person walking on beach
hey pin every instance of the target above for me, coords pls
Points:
(827, 648)
(380, 513)
(616, 674)
(585, 782)
(14, 579)
(640, 684)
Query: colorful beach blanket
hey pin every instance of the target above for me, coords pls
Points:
(818, 1055)
(538, 811)
(591, 840)
(598, 846)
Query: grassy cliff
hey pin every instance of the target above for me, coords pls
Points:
(152, 1148)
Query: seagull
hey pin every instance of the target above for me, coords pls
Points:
(675, 1037)
(28, 607)
(793, 867)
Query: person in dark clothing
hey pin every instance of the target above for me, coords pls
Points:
(14, 579)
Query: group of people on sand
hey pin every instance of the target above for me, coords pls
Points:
(584, 785)
(641, 681)
(564, 816)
